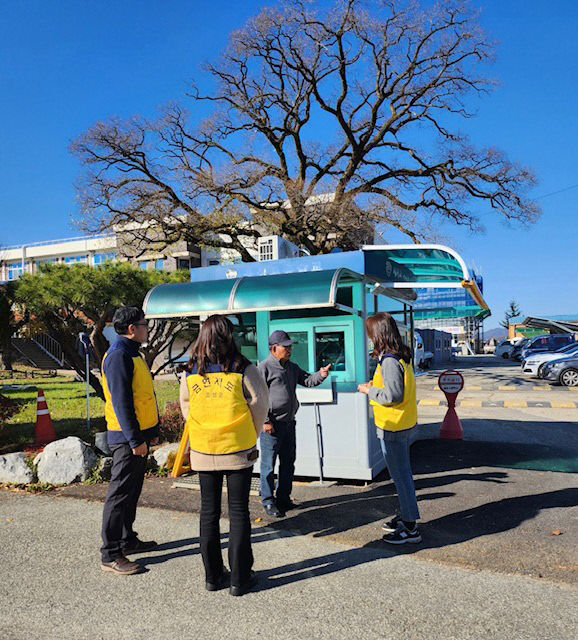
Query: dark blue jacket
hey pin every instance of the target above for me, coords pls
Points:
(118, 368)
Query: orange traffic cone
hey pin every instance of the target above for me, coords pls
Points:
(44, 432)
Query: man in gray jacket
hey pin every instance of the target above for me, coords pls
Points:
(278, 438)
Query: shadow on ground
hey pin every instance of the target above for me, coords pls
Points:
(512, 444)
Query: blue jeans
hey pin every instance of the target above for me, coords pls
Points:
(395, 447)
(280, 444)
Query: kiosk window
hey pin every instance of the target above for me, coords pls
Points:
(245, 335)
(300, 353)
(330, 349)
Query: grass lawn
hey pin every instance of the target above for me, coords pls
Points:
(66, 401)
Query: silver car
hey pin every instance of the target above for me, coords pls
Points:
(563, 371)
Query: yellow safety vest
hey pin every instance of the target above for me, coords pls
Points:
(219, 420)
(145, 402)
(399, 416)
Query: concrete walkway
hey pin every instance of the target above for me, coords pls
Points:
(52, 587)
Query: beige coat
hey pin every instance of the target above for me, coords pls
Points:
(257, 396)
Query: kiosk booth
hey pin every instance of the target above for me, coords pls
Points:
(322, 302)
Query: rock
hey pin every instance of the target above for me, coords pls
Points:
(13, 468)
(165, 456)
(65, 461)
(105, 468)
(101, 443)
(37, 459)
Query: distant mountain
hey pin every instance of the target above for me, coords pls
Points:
(498, 332)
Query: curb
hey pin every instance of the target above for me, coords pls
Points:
(506, 388)
(507, 404)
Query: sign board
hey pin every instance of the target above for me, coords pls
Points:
(451, 381)
(322, 394)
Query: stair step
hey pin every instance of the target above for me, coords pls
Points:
(34, 353)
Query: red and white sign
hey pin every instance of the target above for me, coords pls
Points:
(451, 381)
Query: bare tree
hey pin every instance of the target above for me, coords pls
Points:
(362, 101)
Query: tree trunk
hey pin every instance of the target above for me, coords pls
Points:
(7, 358)
(98, 340)
(6, 354)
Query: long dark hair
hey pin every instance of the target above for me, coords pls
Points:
(383, 332)
(215, 345)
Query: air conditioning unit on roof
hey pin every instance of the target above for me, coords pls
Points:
(276, 248)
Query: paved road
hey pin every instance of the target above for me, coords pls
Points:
(491, 378)
(52, 587)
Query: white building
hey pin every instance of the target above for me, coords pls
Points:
(95, 250)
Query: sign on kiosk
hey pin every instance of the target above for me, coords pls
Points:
(451, 383)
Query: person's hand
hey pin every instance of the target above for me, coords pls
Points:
(365, 387)
(324, 371)
(268, 428)
(141, 450)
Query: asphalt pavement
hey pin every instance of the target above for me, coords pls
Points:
(52, 587)
(499, 557)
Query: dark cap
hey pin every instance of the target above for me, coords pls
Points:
(280, 337)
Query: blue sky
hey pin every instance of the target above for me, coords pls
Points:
(64, 65)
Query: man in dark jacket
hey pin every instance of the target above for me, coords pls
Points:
(132, 425)
(278, 438)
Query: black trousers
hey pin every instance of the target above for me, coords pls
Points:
(240, 552)
(127, 477)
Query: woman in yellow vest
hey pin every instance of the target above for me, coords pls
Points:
(393, 398)
(225, 401)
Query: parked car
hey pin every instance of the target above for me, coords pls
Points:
(516, 352)
(562, 371)
(542, 344)
(504, 348)
(535, 363)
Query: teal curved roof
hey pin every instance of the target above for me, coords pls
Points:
(308, 290)
(312, 281)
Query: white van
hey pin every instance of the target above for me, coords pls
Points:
(423, 359)
(504, 348)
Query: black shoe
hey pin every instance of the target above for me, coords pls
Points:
(389, 526)
(403, 535)
(244, 588)
(288, 506)
(223, 582)
(272, 511)
(139, 546)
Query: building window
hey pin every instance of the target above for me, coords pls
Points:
(183, 263)
(266, 251)
(143, 264)
(14, 270)
(160, 264)
(101, 258)
(42, 261)
(75, 259)
(213, 263)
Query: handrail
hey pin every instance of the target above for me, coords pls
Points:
(50, 346)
